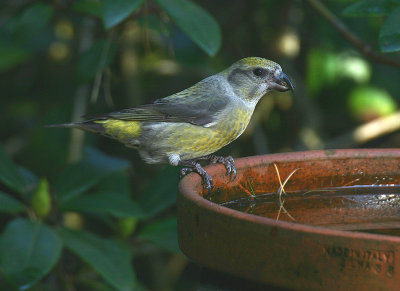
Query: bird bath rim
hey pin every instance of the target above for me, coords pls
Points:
(210, 233)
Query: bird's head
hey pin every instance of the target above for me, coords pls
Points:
(251, 78)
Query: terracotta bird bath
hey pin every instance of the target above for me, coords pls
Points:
(346, 229)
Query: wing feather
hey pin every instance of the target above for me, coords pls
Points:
(194, 105)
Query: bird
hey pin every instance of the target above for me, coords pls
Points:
(190, 126)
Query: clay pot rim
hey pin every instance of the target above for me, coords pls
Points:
(191, 183)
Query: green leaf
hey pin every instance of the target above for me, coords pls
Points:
(162, 233)
(8, 204)
(106, 163)
(24, 34)
(161, 194)
(116, 204)
(111, 259)
(117, 182)
(368, 102)
(197, 23)
(115, 11)
(91, 7)
(389, 36)
(11, 56)
(96, 58)
(29, 178)
(9, 173)
(28, 251)
(82, 176)
(370, 8)
(41, 200)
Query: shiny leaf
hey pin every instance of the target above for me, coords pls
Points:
(389, 36)
(9, 173)
(28, 251)
(82, 176)
(111, 259)
(115, 11)
(163, 233)
(105, 203)
(8, 204)
(196, 22)
(370, 8)
(161, 193)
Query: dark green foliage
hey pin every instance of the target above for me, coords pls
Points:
(86, 213)
(389, 36)
(197, 23)
(28, 251)
(110, 258)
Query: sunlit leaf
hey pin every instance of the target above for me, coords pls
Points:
(161, 193)
(163, 233)
(115, 11)
(9, 204)
(28, 251)
(371, 8)
(41, 200)
(367, 102)
(196, 22)
(9, 173)
(111, 259)
(389, 36)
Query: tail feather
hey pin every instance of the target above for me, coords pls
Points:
(65, 125)
(126, 132)
(84, 125)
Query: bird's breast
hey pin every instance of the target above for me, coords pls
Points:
(232, 125)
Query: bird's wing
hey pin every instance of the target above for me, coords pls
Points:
(191, 106)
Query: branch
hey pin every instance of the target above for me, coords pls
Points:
(364, 48)
(366, 132)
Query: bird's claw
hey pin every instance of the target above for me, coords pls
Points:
(184, 172)
(228, 162)
(206, 179)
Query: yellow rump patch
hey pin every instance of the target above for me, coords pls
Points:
(121, 129)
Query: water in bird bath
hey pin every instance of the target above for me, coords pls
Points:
(366, 208)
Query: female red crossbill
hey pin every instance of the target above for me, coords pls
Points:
(191, 125)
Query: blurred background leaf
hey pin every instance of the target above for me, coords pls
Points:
(389, 37)
(366, 8)
(110, 258)
(28, 251)
(115, 11)
(80, 177)
(9, 173)
(162, 233)
(197, 23)
(161, 194)
(8, 204)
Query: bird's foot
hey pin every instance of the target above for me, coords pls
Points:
(228, 162)
(193, 166)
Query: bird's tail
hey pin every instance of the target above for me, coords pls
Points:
(123, 131)
(88, 125)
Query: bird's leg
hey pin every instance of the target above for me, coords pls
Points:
(194, 166)
(228, 162)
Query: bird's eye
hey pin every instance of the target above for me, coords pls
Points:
(259, 72)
